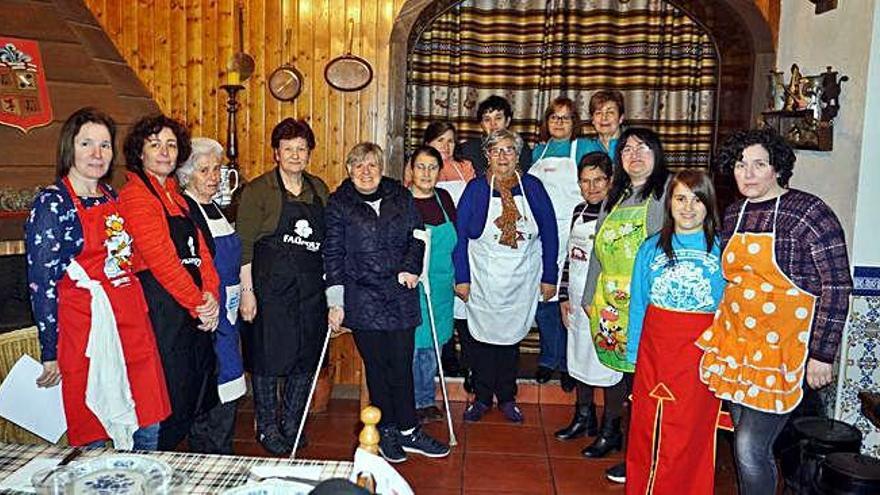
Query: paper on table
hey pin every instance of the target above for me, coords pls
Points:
(387, 479)
(20, 480)
(38, 410)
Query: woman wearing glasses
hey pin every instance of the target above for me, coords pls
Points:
(632, 212)
(504, 261)
(555, 162)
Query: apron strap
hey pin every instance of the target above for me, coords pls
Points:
(437, 197)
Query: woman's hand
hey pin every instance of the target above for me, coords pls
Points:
(51, 375)
(548, 291)
(588, 308)
(248, 305)
(819, 374)
(463, 291)
(209, 312)
(408, 279)
(334, 318)
(565, 312)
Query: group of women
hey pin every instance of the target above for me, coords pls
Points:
(635, 282)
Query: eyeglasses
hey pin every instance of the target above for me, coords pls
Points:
(560, 118)
(597, 182)
(425, 167)
(630, 150)
(506, 150)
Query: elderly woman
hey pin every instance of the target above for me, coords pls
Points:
(79, 265)
(555, 162)
(505, 260)
(176, 269)
(200, 178)
(785, 304)
(632, 212)
(437, 211)
(373, 264)
(606, 115)
(281, 223)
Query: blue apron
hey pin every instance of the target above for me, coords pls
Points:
(441, 276)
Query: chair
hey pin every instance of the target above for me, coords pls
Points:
(14, 345)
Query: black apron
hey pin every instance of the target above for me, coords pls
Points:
(187, 353)
(288, 272)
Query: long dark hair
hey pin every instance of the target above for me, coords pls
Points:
(701, 184)
(621, 182)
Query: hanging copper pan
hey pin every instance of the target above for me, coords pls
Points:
(285, 82)
(348, 72)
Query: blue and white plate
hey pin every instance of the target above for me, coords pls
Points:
(119, 475)
(271, 487)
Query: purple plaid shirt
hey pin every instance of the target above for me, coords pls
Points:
(811, 251)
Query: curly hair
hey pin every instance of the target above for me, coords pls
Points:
(782, 157)
(494, 103)
(292, 129)
(147, 126)
(73, 124)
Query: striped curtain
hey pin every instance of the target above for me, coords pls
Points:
(531, 51)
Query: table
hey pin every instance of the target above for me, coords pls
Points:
(206, 474)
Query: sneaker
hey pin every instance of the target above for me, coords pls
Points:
(274, 443)
(475, 411)
(511, 411)
(617, 473)
(429, 414)
(420, 443)
(389, 445)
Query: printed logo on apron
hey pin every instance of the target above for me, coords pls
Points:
(193, 258)
(118, 245)
(301, 232)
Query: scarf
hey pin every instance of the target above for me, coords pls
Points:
(506, 222)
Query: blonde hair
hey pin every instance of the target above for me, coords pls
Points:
(360, 152)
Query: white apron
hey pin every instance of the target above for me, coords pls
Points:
(455, 188)
(583, 363)
(505, 282)
(560, 178)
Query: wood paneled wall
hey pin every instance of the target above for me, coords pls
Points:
(180, 48)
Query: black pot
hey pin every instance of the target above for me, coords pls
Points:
(846, 473)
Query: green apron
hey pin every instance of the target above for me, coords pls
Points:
(616, 246)
(441, 276)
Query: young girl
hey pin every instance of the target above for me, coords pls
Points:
(676, 287)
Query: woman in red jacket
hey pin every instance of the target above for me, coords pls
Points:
(175, 268)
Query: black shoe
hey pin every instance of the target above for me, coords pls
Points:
(567, 382)
(583, 423)
(544, 374)
(420, 443)
(290, 439)
(274, 443)
(610, 439)
(468, 380)
(389, 445)
(616, 473)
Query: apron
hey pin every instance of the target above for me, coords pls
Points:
(616, 246)
(757, 346)
(672, 431)
(289, 284)
(106, 259)
(505, 282)
(441, 277)
(560, 178)
(227, 261)
(186, 352)
(583, 363)
(455, 188)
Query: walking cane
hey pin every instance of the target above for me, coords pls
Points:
(425, 236)
(305, 414)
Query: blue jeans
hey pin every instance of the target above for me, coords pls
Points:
(424, 369)
(145, 438)
(755, 433)
(553, 336)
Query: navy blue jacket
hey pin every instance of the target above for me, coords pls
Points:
(364, 252)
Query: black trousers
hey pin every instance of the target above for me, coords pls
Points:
(617, 395)
(494, 371)
(212, 431)
(462, 361)
(388, 358)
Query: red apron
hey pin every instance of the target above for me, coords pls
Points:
(671, 445)
(106, 257)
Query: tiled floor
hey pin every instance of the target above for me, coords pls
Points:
(492, 456)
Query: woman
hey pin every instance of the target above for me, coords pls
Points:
(676, 287)
(505, 260)
(281, 223)
(175, 268)
(632, 212)
(555, 163)
(200, 178)
(785, 304)
(373, 264)
(437, 212)
(595, 171)
(454, 176)
(606, 114)
(79, 256)
(493, 114)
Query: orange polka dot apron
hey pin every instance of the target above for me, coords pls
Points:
(757, 346)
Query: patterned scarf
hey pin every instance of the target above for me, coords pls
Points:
(506, 222)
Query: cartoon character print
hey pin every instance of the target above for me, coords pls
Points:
(118, 244)
(609, 326)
